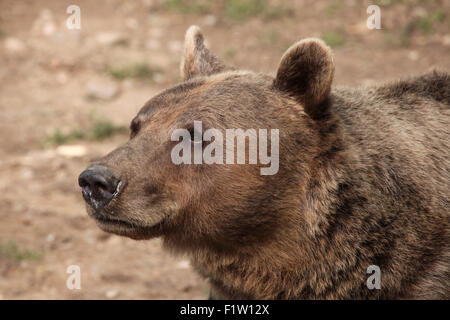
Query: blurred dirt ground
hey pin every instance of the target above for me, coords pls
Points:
(67, 96)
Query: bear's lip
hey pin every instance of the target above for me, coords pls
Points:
(106, 220)
(127, 229)
(112, 221)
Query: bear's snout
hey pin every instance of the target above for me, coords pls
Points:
(98, 185)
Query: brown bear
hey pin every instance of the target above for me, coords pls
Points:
(363, 181)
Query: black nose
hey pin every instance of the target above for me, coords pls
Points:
(98, 185)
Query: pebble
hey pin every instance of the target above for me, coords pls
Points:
(210, 20)
(44, 24)
(111, 294)
(103, 90)
(446, 40)
(183, 264)
(71, 151)
(50, 238)
(27, 173)
(109, 38)
(14, 46)
(413, 55)
(62, 77)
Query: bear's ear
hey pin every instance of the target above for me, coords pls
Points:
(305, 73)
(197, 59)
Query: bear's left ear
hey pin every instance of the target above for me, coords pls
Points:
(305, 73)
(198, 60)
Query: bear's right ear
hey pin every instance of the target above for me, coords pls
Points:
(198, 60)
(305, 73)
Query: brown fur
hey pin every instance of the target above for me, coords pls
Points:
(364, 180)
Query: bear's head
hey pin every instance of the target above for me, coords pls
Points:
(178, 177)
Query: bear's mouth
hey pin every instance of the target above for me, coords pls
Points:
(108, 221)
(128, 229)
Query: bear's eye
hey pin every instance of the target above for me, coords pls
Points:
(135, 126)
(192, 133)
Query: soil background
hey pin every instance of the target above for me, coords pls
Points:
(67, 97)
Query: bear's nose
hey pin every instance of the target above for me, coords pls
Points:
(98, 185)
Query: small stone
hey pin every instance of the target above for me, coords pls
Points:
(183, 264)
(72, 151)
(48, 28)
(50, 238)
(159, 78)
(109, 38)
(111, 294)
(102, 90)
(446, 40)
(62, 77)
(14, 46)
(419, 12)
(44, 24)
(413, 55)
(27, 173)
(210, 20)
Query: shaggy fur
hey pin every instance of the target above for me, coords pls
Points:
(364, 180)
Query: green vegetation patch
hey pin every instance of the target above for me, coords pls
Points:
(241, 10)
(12, 251)
(234, 10)
(99, 130)
(188, 7)
(333, 39)
(140, 70)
